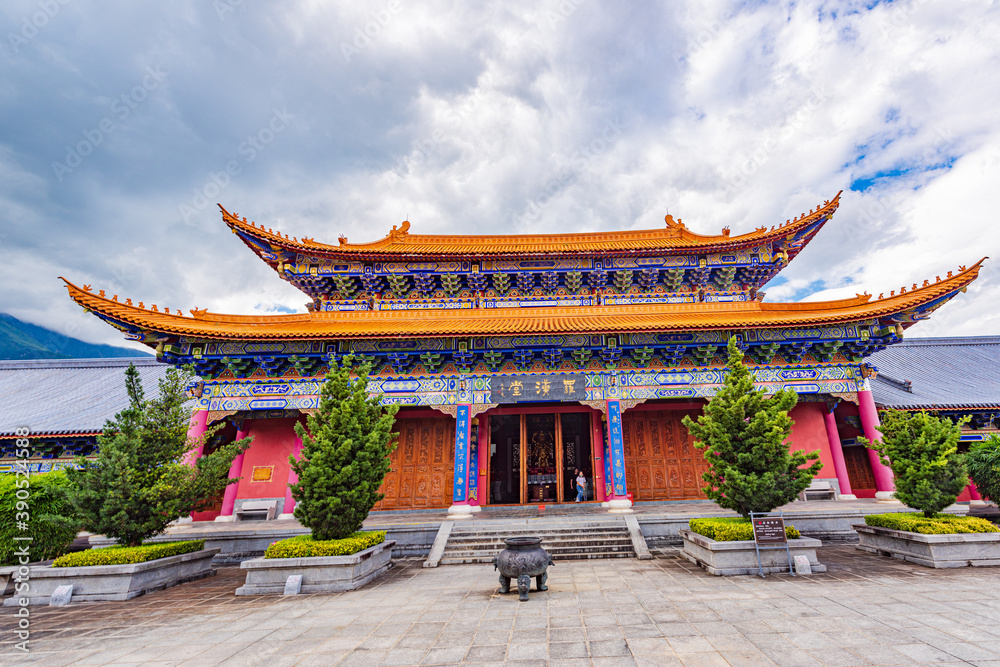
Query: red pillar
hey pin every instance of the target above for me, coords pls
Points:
(289, 507)
(837, 454)
(597, 447)
(196, 428)
(884, 486)
(476, 462)
(229, 499)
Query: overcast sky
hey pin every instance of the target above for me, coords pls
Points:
(119, 121)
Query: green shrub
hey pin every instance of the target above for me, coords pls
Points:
(304, 545)
(731, 529)
(939, 524)
(983, 461)
(346, 446)
(745, 437)
(49, 516)
(120, 555)
(922, 451)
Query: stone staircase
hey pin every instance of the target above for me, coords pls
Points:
(481, 541)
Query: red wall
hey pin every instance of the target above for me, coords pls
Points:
(809, 434)
(273, 440)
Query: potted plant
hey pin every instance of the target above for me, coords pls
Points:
(922, 451)
(137, 484)
(751, 469)
(347, 443)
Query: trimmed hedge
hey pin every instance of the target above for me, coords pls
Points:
(940, 524)
(43, 506)
(731, 529)
(304, 546)
(127, 555)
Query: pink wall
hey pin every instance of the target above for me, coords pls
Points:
(273, 441)
(809, 434)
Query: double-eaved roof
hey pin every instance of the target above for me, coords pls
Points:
(68, 397)
(939, 374)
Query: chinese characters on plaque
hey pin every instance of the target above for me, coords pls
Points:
(524, 388)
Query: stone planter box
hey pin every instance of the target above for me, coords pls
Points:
(958, 550)
(739, 557)
(103, 583)
(320, 574)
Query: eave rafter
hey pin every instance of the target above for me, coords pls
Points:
(153, 325)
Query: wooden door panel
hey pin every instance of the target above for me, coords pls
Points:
(859, 468)
(661, 462)
(421, 475)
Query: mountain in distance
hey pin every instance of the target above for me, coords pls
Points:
(20, 340)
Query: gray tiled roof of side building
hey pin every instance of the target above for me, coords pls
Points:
(68, 395)
(942, 372)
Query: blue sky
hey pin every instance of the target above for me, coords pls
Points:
(123, 123)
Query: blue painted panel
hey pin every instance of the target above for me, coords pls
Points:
(617, 448)
(461, 452)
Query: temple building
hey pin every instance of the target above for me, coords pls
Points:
(517, 360)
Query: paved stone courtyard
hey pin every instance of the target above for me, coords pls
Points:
(865, 610)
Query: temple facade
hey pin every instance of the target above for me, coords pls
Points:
(518, 360)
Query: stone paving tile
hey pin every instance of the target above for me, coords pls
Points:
(864, 610)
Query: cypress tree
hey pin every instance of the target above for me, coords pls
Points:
(922, 451)
(139, 481)
(346, 447)
(744, 435)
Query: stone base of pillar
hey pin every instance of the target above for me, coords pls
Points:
(977, 503)
(886, 497)
(282, 517)
(182, 520)
(619, 506)
(225, 519)
(847, 496)
(462, 511)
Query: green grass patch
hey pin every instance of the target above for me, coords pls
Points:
(119, 555)
(730, 529)
(304, 546)
(939, 524)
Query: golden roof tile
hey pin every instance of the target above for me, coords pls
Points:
(675, 236)
(506, 321)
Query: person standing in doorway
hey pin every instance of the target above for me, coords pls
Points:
(581, 486)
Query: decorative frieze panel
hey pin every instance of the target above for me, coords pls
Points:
(261, 395)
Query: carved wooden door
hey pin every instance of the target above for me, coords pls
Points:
(661, 462)
(859, 468)
(422, 465)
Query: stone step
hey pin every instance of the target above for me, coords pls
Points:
(548, 546)
(488, 560)
(480, 542)
(499, 535)
(499, 539)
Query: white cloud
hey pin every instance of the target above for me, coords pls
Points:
(520, 118)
